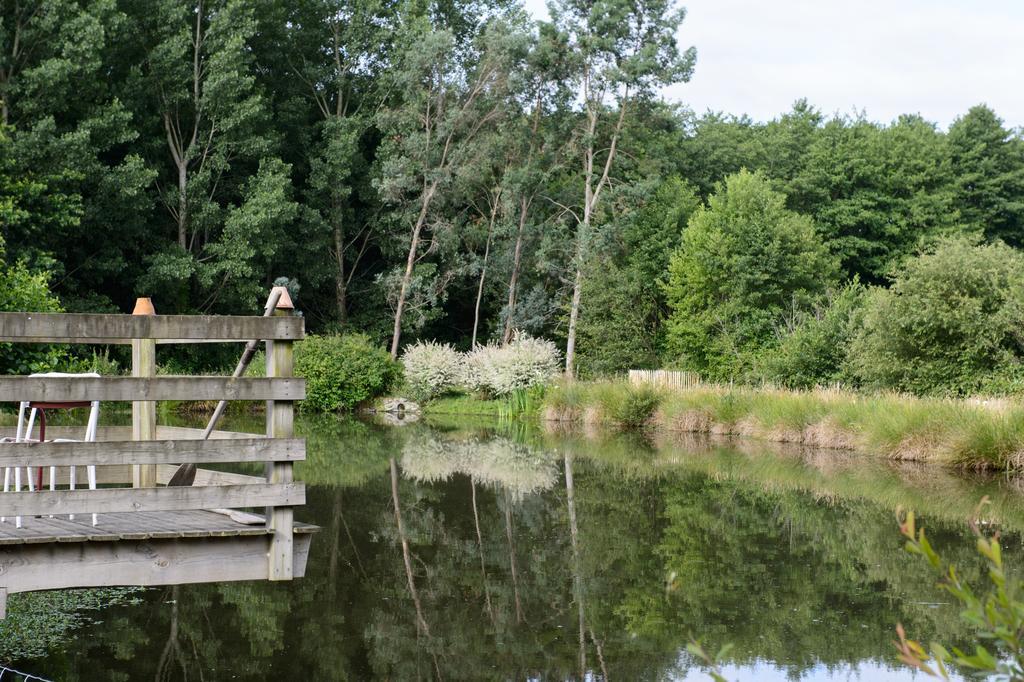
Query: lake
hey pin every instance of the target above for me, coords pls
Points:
(474, 551)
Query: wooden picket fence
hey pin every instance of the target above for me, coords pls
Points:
(663, 378)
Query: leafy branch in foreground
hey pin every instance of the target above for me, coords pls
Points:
(713, 663)
(997, 617)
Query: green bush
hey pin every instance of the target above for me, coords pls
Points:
(814, 352)
(950, 324)
(638, 407)
(745, 263)
(343, 371)
(25, 291)
(625, 405)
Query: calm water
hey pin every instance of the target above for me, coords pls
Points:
(533, 556)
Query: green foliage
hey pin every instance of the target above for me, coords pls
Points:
(343, 371)
(632, 409)
(38, 622)
(196, 152)
(996, 616)
(989, 182)
(618, 328)
(875, 193)
(24, 291)
(950, 321)
(745, 262)
(814, 351)
(622, 324)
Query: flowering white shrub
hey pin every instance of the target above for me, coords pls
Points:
(501, 370)
(431, 368)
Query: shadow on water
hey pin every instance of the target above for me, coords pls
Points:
(458, 551)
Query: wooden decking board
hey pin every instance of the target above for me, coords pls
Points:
(129, 526)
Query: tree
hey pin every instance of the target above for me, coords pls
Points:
(814, 345)
(197, 88)
(433, 129)
(716, 145)
(745, 263)
(69, 130)
(623, 325)
(621, 53)
(989, 183)
(949, 323)
(876, 194)
(337, 48)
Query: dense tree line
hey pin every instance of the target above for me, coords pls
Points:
(456, 171)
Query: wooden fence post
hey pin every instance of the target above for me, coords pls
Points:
(143, 411)
(280, 424)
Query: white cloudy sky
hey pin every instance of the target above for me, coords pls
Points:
(887, 57)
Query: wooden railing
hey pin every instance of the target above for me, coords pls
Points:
(145, 461)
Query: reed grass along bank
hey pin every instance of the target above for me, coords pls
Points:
(969, 434)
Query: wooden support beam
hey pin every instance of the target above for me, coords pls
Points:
(108, 500)
(280, 424)
(48, 566)
(66, 389)
(143, 411)
(121, 329)
(257, 449)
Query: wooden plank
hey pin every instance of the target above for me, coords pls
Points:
(108, 500)
(124, 433)
(143, 411)
(209, 477)
(189, 433)
(280, 424)
(104, 329)
(140, 525)
(141, 562)
(62, 389)
(249, 449)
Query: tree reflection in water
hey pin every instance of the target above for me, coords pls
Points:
(462, 554)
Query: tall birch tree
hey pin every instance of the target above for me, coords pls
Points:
(622, 51)
(448, 101)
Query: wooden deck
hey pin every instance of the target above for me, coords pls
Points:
(149, 533)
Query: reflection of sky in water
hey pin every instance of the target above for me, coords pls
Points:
(865, 671)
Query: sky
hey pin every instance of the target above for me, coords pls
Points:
(883, 57)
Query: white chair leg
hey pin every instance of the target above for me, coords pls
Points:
(20, 433)
(71, 481)
(27, 435)
(17, 489)
(90, 436)
(94, 418)
(91, 471)
(7, 487)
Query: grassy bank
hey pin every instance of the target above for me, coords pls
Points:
(965, 434)
(521, 403)
(464, 405)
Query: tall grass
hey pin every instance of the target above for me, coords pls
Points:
(963, 434)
